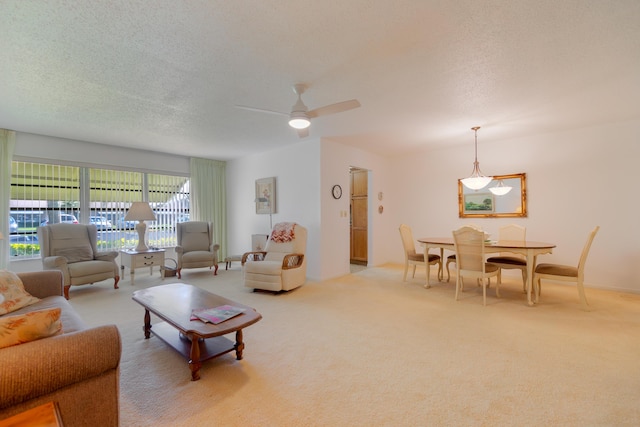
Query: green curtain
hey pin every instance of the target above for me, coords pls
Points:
(7, 145)
(208, 197)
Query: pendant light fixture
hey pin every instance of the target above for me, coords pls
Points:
(500, 189)
(476, 181)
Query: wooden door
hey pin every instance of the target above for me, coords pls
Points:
(359, 218)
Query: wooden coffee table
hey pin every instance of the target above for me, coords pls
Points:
(196, 340)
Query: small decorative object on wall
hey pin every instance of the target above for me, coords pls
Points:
(266, 196)
(336, 191)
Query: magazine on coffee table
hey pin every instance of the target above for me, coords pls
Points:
(216, 315)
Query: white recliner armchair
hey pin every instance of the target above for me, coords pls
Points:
(282, 265)
(195, 246)
(72, 249)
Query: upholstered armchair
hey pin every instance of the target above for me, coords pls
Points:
(72, 249)
(282, 265)
(195, 246)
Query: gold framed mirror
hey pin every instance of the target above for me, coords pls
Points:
(484, 203)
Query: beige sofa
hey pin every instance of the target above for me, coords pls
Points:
(79, 369)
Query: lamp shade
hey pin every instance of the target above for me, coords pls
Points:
(477, 180)
(140, 211)
(500, 189)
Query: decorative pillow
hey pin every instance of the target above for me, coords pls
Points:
(83, 253)
(283, 232)
(28, 327)
(13, 294)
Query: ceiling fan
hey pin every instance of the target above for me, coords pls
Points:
(300, 116)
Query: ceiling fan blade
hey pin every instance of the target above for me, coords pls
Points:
(261, 110)
(338, 107)
(303, 133)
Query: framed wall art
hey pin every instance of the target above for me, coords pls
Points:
(266, 196)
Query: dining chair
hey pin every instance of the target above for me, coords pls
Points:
(452, 258)
(566, 273)
(508, 260)
(411, 257)
(470, 260)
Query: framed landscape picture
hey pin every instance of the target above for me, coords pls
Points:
(266, 195)
(478, 203)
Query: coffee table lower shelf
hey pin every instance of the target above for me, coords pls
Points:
(209, 348)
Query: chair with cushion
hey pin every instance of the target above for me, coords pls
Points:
(195, 246)
(510, 260)
(566, 273)
(452, 258)
(411, 257)
(470, 260)
(72, 249)
(282, 265)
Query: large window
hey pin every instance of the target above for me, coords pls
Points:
(46, 194)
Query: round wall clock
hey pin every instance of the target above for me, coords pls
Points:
(336, 191)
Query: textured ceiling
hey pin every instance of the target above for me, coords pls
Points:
(165, 75)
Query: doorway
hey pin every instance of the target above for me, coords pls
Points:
(359, 220)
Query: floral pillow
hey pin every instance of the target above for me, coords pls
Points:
(30, 326)
(12, 293)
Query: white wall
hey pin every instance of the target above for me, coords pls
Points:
(47, 147)
(335, 244)
(575, 181)
(297, 171)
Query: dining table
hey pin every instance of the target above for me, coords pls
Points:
(529, 249)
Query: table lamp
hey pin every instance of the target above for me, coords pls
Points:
(139, 211)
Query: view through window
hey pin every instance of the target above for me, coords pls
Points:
(48, 194)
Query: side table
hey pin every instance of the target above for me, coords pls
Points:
(228, 260)
(46, 415)
(134, 259)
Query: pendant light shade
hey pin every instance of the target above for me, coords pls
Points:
(500, 189)
(476, 180)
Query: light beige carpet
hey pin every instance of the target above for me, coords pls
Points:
(369, 350)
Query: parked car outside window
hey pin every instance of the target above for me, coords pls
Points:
(66, 218)
(100, 222)
(13, 225)
(126, 225)
(23, 238)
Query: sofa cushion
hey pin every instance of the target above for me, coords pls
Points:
(71, 320)
(29, 327)
(12, 293)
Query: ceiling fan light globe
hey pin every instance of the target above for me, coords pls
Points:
(299, 121)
